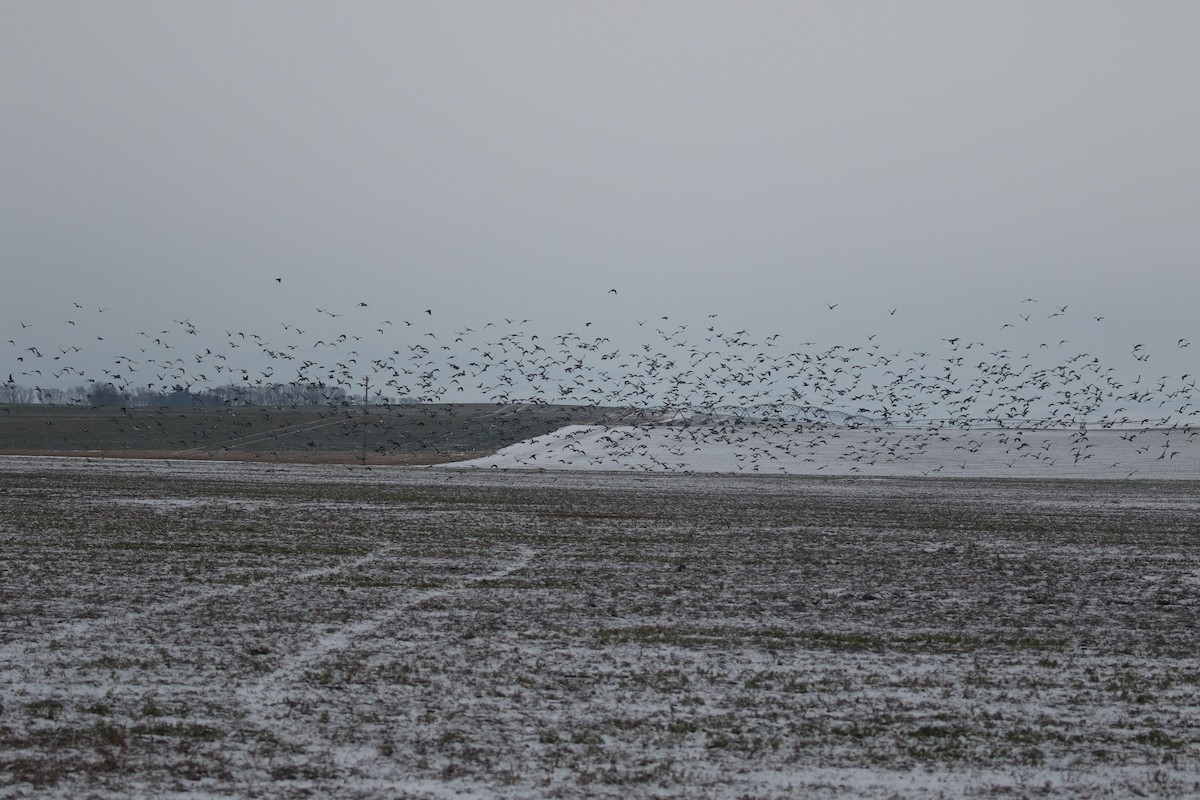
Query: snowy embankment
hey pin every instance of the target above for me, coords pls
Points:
(1172, 453)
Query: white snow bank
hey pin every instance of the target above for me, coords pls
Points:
(756, 447)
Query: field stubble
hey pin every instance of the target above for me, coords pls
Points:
(277, 631)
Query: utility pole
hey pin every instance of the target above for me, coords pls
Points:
(366, 401)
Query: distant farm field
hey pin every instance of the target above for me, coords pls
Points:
(424, 433)
(241, 629)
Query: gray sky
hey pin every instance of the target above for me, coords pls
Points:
(487, 160)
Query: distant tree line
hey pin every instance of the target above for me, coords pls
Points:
(108, 395)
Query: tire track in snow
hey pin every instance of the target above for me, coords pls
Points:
(75, 630)
(343, 637)
(266, 700)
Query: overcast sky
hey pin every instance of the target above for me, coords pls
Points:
(757, 160)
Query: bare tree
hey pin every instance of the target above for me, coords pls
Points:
(15, 393)
(105, 394)
(52, 396)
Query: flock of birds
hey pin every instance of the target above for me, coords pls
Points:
(705, 379)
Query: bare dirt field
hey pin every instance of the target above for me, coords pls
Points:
(200, 629)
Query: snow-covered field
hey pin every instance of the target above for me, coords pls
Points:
(950, 452)
(172, 629)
